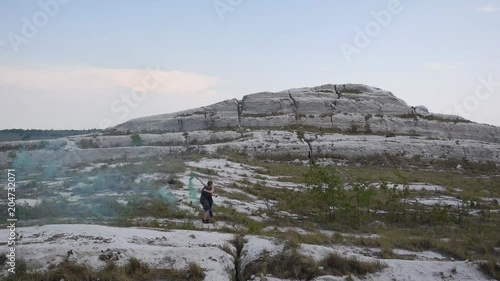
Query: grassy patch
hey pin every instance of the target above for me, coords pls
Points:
(206, 171)
(240, 196)
(473, 242)
(101, 207)
(262, 115)
(388, 253)
(339, 265)
(133, 270)
(491, 268)
(296, 266)
(293, 239)
(32, 134)
(470, 184)
(437, 118)
(194, 272)
(289, 265)
(230, 215)
(432, 118)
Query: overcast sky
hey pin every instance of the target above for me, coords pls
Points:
(80, 64)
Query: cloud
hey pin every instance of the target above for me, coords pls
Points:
(488, 8)
(443, 66)
(69, 78)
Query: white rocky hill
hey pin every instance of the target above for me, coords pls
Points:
(353, 122)
(350, 107)
(94, 245)
(432, 183)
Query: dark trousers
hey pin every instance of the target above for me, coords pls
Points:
(210, 203)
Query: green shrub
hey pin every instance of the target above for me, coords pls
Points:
(136, 140)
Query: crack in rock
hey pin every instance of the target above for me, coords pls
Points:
(294, 106)
(181, 125)
(239, 106)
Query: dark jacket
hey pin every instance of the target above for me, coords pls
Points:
(205, 195)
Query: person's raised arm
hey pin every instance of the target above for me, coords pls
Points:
(209, 191)
(200, 180)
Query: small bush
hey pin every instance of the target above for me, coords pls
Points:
(136, 140)
(195, 272)
(238, 242)
(300, 134)
(226, 248)
(12, 154)
(88, 143)
(390, 135)
(491, 268)
(3, 259)
(354, 129)
(408, 116)
(135, 267)
(368, 129)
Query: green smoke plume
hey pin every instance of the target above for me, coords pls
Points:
(167, 196)
(24, 165)
(193, 193)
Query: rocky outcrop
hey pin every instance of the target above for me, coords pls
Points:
(350, 108)
(214, 252)
(93, 244)
(220, 115)
(330, 121)
(270, 144)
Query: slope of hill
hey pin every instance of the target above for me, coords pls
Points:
(20, 134)
(337, 182)
(353, 122)
(352, 108)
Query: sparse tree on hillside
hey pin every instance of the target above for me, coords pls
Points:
(326, 188)
(136, 140)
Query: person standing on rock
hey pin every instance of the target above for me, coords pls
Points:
(206, 199)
